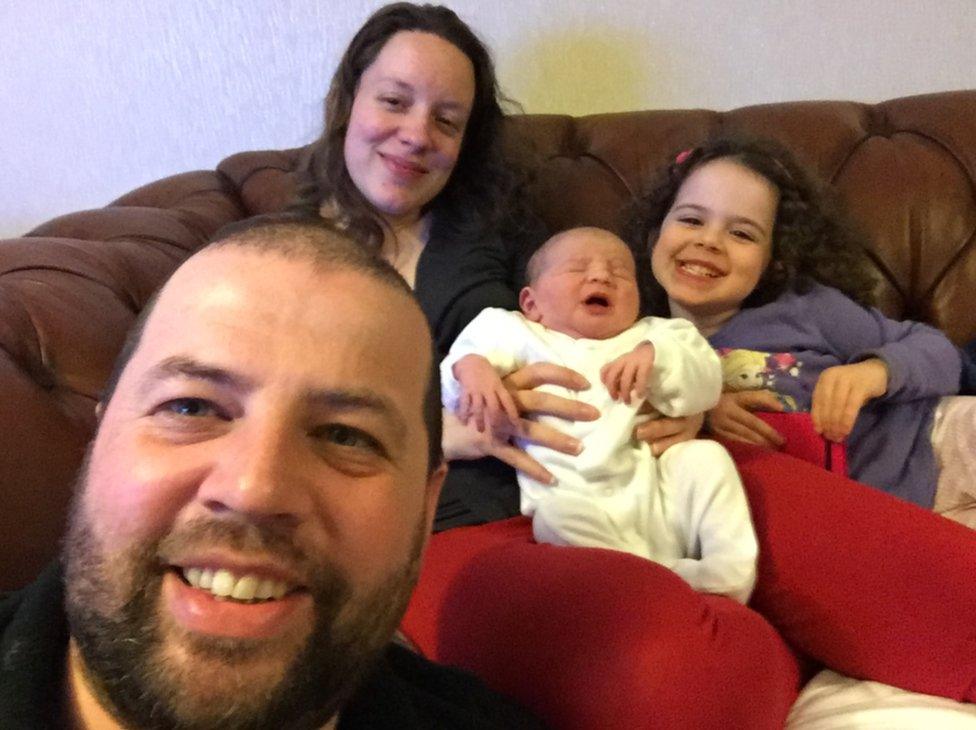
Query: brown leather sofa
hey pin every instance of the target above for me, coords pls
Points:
(70, 288)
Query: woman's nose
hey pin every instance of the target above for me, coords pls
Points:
(415, 131)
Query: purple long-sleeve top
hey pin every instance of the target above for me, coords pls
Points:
(798, 336)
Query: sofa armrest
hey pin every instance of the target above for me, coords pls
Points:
(69, 291)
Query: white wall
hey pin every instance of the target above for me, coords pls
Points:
(99, 97)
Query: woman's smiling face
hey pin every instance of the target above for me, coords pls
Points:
(716, 240)
(407, 123)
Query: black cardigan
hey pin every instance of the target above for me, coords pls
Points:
(457, 277)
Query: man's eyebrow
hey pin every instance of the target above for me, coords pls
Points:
(350, 400)
(180, 366)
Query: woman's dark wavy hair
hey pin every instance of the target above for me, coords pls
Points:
(812, 240)
(481, 185)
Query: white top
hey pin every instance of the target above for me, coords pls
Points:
(686, 379)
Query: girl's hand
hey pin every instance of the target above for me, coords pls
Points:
(629, 374)
(484, 400)
(660, 433)
(842, 391)
(465, 442)
(731, 418)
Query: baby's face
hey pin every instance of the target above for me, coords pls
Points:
(587, 286)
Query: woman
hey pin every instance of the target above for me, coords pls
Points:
(410, 162)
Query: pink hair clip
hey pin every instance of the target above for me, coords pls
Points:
(683, 155)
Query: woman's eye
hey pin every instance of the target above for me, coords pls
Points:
(690, 220)
(448, 124)
(391, 102)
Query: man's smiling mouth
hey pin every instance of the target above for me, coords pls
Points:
(224, 584)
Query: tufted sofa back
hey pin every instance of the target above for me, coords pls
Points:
(69, 289)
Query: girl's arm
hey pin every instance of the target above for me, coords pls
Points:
(883, 359)
(920, 361)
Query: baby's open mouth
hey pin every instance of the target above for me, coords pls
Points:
(598, 301)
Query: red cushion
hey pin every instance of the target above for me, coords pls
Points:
(803, 442)
(869, 585)
(592, 638)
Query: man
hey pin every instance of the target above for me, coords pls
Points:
(248, 524)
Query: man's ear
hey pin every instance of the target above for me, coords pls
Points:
(433, 492)
(528, 304)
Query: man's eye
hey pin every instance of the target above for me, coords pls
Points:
(348, 437)
(189, 407)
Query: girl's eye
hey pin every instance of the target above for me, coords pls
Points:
(745, 235)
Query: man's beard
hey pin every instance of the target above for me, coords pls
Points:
(113, 607)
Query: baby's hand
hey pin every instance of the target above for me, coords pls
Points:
(629, 374)
(842, 391)
(484, 399)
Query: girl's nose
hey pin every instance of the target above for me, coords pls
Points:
(708, 238)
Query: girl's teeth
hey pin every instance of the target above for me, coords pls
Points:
(699, 270)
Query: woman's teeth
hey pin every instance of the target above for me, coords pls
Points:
(225, 584)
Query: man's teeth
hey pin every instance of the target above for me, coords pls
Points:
(224, 584)
(699, 270)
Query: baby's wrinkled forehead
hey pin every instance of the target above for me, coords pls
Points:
(579, 245)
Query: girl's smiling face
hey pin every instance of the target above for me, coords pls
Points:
(715, 242)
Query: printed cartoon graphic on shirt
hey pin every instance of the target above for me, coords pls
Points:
(754, 370)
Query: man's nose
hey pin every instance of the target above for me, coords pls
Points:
(259, 475)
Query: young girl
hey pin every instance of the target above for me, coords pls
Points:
(743, 244)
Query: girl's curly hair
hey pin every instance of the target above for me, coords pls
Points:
(812, 240)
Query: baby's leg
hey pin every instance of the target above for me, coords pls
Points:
(954, 443)
(568, 518)
(704, 499)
